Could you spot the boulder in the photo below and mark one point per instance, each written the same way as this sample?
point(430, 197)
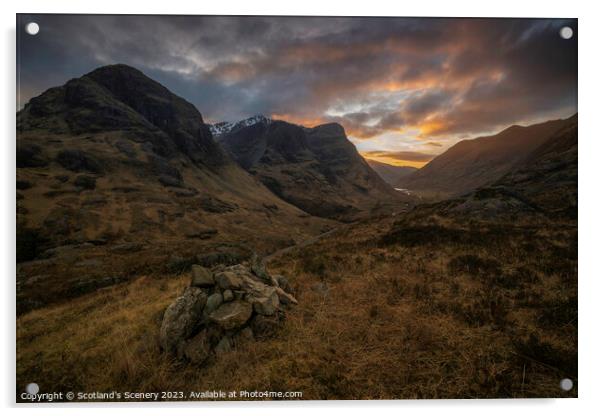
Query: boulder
point(201, 277)
point(198, 349)
point(181, 318)
point(285, 298)
point(232, 315)
point(228, 295)
point(244, 335)
point(266, 302)
point(224, 345)
point(259, 270)
point(283, 283)
point(213, 302)
point(228, 280)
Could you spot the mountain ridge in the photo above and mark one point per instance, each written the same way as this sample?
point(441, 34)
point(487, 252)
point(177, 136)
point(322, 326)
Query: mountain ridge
point(105, 172)
point(317, 169)
point(472, 163)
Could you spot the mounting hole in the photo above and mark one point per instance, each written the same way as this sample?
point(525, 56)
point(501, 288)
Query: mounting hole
point(566, 32)
point(566, 384)
point(32, 388)
point(32, 28)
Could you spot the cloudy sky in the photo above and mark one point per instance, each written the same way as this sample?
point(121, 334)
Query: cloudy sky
point(405, 89)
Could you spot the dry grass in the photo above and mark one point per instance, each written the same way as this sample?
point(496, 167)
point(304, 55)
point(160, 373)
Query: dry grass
point(441, 320)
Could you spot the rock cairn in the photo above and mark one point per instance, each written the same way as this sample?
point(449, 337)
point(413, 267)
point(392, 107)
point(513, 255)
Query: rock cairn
point(223, 308)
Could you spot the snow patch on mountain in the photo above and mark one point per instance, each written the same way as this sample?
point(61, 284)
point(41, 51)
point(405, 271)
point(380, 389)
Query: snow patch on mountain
point(224, 127)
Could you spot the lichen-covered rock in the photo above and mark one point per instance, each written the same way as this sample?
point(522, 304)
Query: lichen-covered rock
point(286, 298)
point(284, 284)
point(228, 280)
point(198, 349)
point(224, 345)
point(228, 295)
point(265, 302)
point(213, 302)
point(244, 335)
point(201, 277)
point(181, 318)
point(232, 315)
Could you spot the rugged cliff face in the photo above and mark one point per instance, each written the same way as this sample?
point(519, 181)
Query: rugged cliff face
point(317, 169)
point(113, 168)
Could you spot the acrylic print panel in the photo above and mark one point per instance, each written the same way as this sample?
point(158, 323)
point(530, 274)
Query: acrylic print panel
point(314, 208)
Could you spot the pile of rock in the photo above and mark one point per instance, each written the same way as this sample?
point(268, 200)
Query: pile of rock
point(223, 308)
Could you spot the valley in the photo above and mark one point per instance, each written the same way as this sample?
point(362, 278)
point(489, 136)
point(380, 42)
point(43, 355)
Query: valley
point(125, 196)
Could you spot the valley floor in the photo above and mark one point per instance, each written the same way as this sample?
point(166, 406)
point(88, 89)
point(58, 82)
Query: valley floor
point(388, 309)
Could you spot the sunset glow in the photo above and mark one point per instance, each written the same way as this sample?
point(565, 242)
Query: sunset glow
point(404, 83)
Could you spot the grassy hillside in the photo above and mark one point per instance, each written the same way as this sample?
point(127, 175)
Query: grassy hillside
point(420, 308)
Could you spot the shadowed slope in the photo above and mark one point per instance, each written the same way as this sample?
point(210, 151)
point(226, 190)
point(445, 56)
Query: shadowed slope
point(473, 163)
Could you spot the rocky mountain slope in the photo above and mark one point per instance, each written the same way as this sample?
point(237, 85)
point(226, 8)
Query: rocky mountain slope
point(473, 163)
point(317, 169)
point(112, 168)
point(225, 127)
point(390, 173)
point(543, 186)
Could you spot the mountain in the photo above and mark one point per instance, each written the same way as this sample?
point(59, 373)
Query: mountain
point(473, 163)
point(316, 169)
point(113, 168)
point(390, 173)
point(543, 185)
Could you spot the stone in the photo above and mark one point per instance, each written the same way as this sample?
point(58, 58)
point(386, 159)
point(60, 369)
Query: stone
point(266, 303)
point(285, 298)
point(198, 349)
point(232, 315)
point(283, 283)
point(181, 318)
point(245, 334)
point(201, 277)
point(259, 270)
point(224, 345)
point(228, 295)
point(228, 280)
point(213, 302)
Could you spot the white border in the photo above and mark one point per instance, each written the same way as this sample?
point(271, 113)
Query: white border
point(590, 151)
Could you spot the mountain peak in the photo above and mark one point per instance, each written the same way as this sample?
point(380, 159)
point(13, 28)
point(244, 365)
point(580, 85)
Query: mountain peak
point(116, 68)
point(330, 129)
point(225, 127)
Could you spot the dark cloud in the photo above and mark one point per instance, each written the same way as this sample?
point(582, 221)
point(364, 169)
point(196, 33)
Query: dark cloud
point(440, 77)
point(434, 144)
